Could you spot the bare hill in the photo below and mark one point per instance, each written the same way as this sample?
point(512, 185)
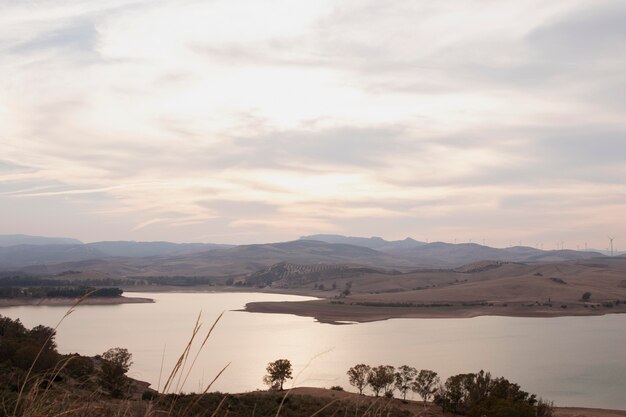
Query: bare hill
point(486, 288)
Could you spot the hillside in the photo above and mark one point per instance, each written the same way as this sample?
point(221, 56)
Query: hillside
point(486, 288)
point(148, 249)
point(447, 255)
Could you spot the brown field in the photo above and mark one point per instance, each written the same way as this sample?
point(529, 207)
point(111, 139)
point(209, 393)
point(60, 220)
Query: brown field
point(509, 289)
point(417, 407)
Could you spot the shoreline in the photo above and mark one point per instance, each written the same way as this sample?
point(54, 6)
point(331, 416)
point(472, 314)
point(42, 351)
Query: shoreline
point(326, 312)
point(68, 302)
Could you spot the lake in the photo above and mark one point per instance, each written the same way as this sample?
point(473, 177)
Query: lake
point(573, 361)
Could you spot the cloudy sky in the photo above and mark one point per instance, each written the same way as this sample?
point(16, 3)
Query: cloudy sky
point(252, 121)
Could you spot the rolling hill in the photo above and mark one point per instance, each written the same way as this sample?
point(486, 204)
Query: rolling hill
point(205, 259)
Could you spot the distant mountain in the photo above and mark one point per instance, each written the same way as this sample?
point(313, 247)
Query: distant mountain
point(448, 255)
point(197, 259)
point(376, 243)
point(19, 256)
point(26, 255)
point(14, 240)
point(238, 260)
point(305, 252)
point(145, 249)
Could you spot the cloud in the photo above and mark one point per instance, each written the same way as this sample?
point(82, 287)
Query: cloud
point(266, 121)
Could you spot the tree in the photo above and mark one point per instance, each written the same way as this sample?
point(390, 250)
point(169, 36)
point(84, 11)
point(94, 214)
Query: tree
point(425, 384)
point(476, 395)
point(381, 378)
point(586, 296)
point(115, 363)
point(277, 372)
point(357, 375)
point(346, 291)
point(404, 378)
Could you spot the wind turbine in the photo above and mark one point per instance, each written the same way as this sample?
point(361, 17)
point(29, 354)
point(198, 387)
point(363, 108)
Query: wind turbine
point(611, 239)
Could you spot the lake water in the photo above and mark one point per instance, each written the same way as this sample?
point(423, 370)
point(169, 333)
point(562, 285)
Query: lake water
point(573, 361)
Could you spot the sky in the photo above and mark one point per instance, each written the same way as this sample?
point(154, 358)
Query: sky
point(234, 121)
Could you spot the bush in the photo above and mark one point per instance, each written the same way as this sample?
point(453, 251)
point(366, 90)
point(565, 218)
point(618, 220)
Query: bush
point(149, 395)
point(479, 394)
point(79, 367)
point(336, 388)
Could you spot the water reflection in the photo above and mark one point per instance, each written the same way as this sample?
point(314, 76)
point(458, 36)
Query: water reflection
point(576, 361)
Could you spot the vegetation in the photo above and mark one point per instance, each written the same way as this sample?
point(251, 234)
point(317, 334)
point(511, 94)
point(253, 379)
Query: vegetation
point(474, 395)
point(58, 292)
point(358, 376)
point(382, 378)
point(404, 379)
point(479, 394)
point(273, 404)
point(425, 384)
point(35, 380)
point(115, 363)
point(277, 373)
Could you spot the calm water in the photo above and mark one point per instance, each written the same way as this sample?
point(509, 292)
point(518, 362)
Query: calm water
point(574, 361)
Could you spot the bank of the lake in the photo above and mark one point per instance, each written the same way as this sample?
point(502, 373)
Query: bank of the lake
point(337, 312)
point(333, 310)
point(67, 302)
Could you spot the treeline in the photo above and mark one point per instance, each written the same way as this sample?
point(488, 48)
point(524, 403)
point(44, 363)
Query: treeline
point(473, 394)
point(59, 292)
point(131, 281)
point(392, 304)
point(18, 281)
point(178, 280)
point(28, 281)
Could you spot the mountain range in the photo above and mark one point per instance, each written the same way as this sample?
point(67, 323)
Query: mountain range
point(53, 255)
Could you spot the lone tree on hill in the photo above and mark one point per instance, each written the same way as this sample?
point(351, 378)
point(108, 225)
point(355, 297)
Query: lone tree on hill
point(115, 363)
point(404, 379)
point(425, 384)
point(357, 375)
point(277, 372)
